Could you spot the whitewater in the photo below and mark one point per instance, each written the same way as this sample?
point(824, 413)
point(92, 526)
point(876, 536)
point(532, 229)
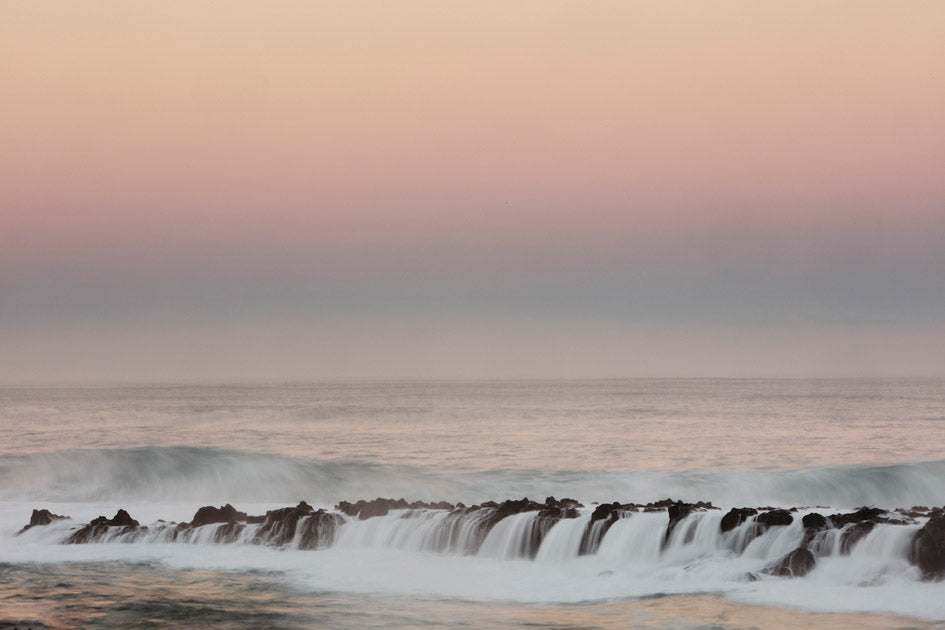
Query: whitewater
point(813, 446)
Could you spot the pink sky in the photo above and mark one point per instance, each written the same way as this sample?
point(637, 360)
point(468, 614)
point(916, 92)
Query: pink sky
point(289, 148)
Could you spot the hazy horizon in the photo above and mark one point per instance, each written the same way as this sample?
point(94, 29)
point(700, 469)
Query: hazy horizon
point(315, 191)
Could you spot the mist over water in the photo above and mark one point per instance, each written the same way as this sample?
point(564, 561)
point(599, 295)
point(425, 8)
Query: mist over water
point(163, 451)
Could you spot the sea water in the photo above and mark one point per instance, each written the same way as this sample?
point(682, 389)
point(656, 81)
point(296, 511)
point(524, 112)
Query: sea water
point(161, 452)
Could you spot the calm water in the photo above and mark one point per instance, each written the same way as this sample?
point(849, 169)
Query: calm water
point(163, 451)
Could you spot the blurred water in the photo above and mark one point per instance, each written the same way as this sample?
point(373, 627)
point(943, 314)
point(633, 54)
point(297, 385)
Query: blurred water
point(164, 450)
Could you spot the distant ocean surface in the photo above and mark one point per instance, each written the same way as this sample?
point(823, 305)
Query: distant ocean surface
point(161, 451)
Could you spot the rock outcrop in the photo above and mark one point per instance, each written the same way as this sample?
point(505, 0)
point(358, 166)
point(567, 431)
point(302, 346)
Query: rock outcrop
point(928, 547)
point(41, 517)
point(102, 528)
point(798, 563)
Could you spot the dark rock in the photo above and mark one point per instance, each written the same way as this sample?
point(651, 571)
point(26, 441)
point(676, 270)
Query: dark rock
point(852, 534)
point(279, 527)
point(874, 515)
point(603, 516)
point(916, 511)
point(928, 547)
point(41, 517)
point(798, 563)
point(319, 529)
point(208, 515)
point(230, 532)
point(100, 526)
point(677, 512)
point(814, 521)
point(775, 518)
point(735, 517)
point(381, 507)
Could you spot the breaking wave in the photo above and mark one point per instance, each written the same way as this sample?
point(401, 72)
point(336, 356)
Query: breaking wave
point(216, 475)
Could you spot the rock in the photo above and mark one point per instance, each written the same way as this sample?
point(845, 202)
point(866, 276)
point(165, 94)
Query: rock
point(381, 507)
point(853, 534)
point(279, 526)
point(41, 517)
point(814, 521)
point(858, 524)
point(798, 563)
point(122, 519)
point(101, 526)
point(230, 532)
point(735, 517)
point(874, 515)
point(208, 515)
point(775, 518)
point(677, 512)
point(565, 508)
point(603, 516)
point(928, 547)
point(319, 529)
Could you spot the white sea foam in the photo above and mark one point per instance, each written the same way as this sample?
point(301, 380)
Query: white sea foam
point(395, 555)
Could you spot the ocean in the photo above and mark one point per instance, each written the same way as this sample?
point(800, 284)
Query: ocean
point(160, 452)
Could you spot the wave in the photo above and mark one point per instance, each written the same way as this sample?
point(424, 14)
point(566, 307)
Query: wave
point(213, 475)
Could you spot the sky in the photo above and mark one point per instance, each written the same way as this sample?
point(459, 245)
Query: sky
point(205, 191)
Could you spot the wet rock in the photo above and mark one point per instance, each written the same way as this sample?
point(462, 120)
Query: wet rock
point(99, 527)
point(565, 508)
point(775, 518)
point(915, 511)
point(279, 526)
point(229, 532)
point(853, 534)
point(928, 547)
point(858, 524)
point(677, 512)
point(735, 517)
point(381, 507)
point(41, 517)
point(319, 529)
point(208, 515)
point(603, 516)
point(873, 515)
point(814, 521)
point(798, 563)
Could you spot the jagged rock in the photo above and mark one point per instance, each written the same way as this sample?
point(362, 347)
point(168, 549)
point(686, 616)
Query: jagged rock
point(915, 511)
point(775, 518)
point(814, 523)
point(594, 531)
point(208, 515)
point(229, 532)
point(853, 534)
point(41, 517)
point(677, 512)
point(319, 529)
point(100, 526)
point(279, 526)
point(928, 547)
point(874, 515)
point(381, 507)
point(565, 508)
point(798, 563)
point(858, 524)
point(735, 517)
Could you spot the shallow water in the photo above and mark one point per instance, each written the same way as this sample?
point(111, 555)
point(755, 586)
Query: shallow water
point(161, 452)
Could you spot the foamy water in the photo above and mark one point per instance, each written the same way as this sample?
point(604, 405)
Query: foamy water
point(163, 452)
